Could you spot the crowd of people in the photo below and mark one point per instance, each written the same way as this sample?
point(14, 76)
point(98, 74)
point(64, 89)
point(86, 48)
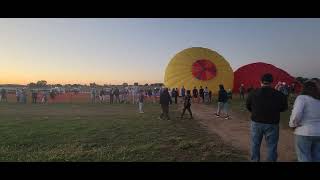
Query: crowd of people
point(265, 105)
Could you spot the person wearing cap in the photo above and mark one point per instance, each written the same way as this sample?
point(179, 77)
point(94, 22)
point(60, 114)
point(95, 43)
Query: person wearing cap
point(265, 105)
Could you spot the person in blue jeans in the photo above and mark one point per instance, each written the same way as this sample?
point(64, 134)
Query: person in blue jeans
point(305, 119)
point(265, 105)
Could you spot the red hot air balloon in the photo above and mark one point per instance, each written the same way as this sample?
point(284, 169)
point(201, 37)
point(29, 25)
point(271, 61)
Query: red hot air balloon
point(250, 75)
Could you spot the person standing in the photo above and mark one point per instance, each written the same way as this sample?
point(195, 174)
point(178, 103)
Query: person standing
point(265, 105)
point(187, 104)
point(24, 96)
point(183, 92)
point(250, 89)
point(210, 96)
point(101, 95)
point(4, 95)
point(206, 95)
point(201, 93)
point(18, 95)
point(45, 97)
point(305, 119)
point(149, 95)
point(175, 95)
point(194, 94)
point(34, 96)
point(111, 95)
point(241, 91)
point(222, 101)
point(116, 93)
point(93, 95)
point(165, 100)
point(141, 99)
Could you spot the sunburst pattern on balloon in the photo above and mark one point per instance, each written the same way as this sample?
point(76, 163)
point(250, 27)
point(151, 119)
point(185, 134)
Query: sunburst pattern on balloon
point(198, 66)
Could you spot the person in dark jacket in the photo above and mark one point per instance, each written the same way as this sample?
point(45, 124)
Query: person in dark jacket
point(174, 94)
point(111, 93)
point(201, 93)
point(4, 95)
point(210, 96)
point(265, 105)
point(165, 100)
point(187, 104)
point(250, 89)
point(34, 96)
point(242, 91)
point(117, 93)
point(222, 101)
point(194, 94)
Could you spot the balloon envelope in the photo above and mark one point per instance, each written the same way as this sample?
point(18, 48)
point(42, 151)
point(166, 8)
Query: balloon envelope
point(250, 75)
point(197, 66)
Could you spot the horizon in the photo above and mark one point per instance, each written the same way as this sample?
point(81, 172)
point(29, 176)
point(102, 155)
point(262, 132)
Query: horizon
point(116, 51)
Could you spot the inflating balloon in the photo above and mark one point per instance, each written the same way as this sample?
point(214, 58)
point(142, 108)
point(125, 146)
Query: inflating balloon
point(197, 66)
point(250, 75)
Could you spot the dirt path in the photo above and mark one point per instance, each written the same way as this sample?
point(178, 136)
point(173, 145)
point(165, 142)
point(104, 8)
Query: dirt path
point(236, 132)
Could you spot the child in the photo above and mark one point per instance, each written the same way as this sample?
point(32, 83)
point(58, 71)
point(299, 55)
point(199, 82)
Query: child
point(141, 98)
point(187, 104)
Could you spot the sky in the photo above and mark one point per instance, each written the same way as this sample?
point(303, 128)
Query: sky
point(115, 51)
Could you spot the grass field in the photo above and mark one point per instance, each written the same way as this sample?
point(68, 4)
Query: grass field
point(104, 132)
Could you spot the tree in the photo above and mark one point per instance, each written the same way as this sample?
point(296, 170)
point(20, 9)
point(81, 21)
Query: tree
point(41, 83)
point(125, 84)
point(32, 84)
point(301, 79)
point(93, 84)
point(146, 84)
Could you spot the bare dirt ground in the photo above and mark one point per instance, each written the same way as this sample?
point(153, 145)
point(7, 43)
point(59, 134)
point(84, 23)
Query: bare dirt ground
point(236, 131)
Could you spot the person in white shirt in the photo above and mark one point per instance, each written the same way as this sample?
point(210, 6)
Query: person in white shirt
point(305, 119)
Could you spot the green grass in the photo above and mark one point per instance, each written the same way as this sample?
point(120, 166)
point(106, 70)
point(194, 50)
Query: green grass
point(104, 132)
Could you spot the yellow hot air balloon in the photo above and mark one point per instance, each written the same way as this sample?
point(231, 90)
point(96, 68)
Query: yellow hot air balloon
point(197, 66)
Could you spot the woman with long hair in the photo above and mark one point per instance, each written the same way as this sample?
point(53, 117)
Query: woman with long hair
point(305, 120)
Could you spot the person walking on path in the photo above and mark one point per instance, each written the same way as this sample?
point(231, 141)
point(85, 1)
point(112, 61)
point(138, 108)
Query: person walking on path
point(222, 101)
point(265, 105)
point(165, 100)
point(187, 104)
point(305, 120)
